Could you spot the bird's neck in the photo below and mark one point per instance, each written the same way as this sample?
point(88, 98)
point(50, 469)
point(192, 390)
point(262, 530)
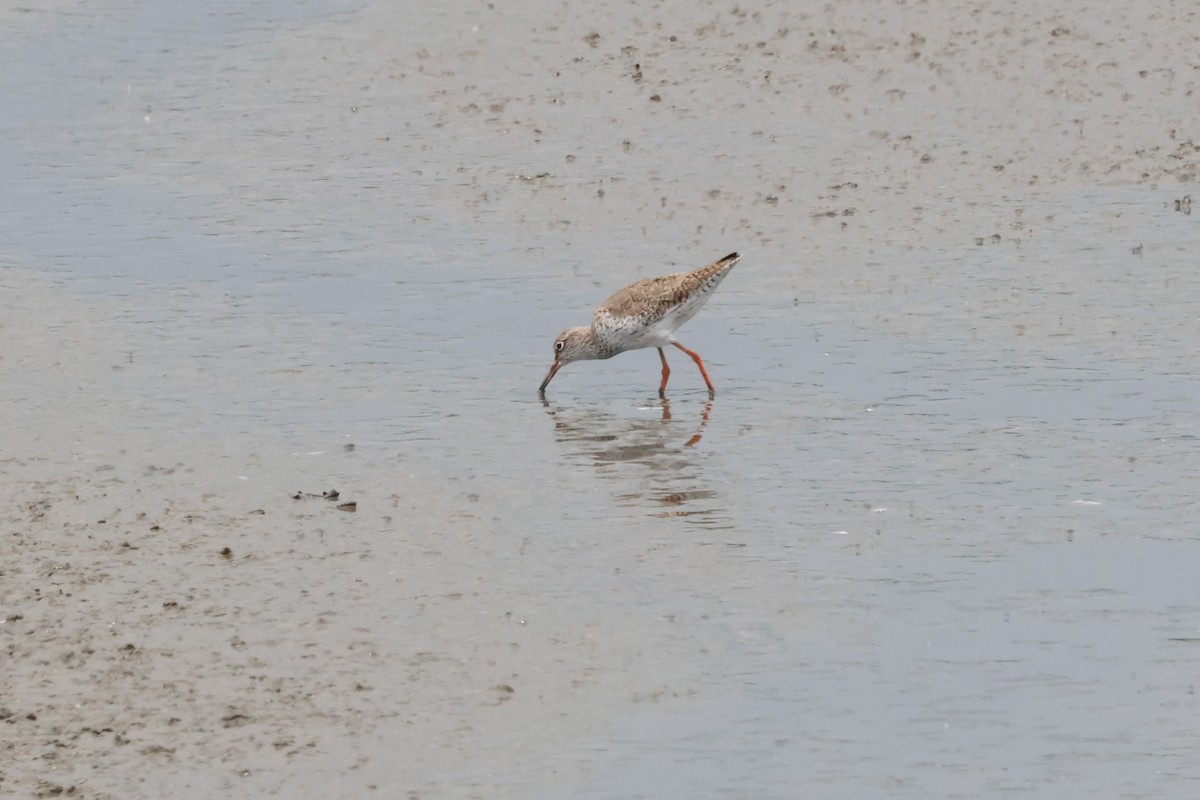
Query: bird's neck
point(593, 346)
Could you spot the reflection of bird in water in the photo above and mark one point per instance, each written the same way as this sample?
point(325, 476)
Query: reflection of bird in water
point(669, 470)
point(644, 314)
point(585, 429)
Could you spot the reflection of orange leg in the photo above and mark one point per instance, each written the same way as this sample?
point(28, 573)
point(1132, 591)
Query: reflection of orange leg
point(695, 440)
point(662, 387)
point(695, 357)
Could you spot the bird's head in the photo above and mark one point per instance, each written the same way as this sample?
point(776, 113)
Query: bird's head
point(573, 344)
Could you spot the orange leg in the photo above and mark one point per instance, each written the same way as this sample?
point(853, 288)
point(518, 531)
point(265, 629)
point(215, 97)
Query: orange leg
point(662, 387)
point(703, 372)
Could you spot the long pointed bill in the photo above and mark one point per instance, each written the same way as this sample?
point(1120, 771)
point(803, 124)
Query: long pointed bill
point(554, 368)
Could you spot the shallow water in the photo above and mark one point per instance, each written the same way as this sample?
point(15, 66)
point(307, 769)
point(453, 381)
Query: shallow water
point(934, 535)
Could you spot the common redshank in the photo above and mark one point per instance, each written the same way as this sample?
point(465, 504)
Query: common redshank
point(643, 314)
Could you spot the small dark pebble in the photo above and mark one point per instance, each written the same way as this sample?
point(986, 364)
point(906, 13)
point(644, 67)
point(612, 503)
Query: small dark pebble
point(226, 552)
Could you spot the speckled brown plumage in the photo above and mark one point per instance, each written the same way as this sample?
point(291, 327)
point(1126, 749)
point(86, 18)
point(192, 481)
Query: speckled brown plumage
point(653, 297)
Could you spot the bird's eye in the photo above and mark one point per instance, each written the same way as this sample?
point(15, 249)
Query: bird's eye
point(559, 345)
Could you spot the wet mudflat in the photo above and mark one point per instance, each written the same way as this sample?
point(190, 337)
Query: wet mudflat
point(933, 537)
